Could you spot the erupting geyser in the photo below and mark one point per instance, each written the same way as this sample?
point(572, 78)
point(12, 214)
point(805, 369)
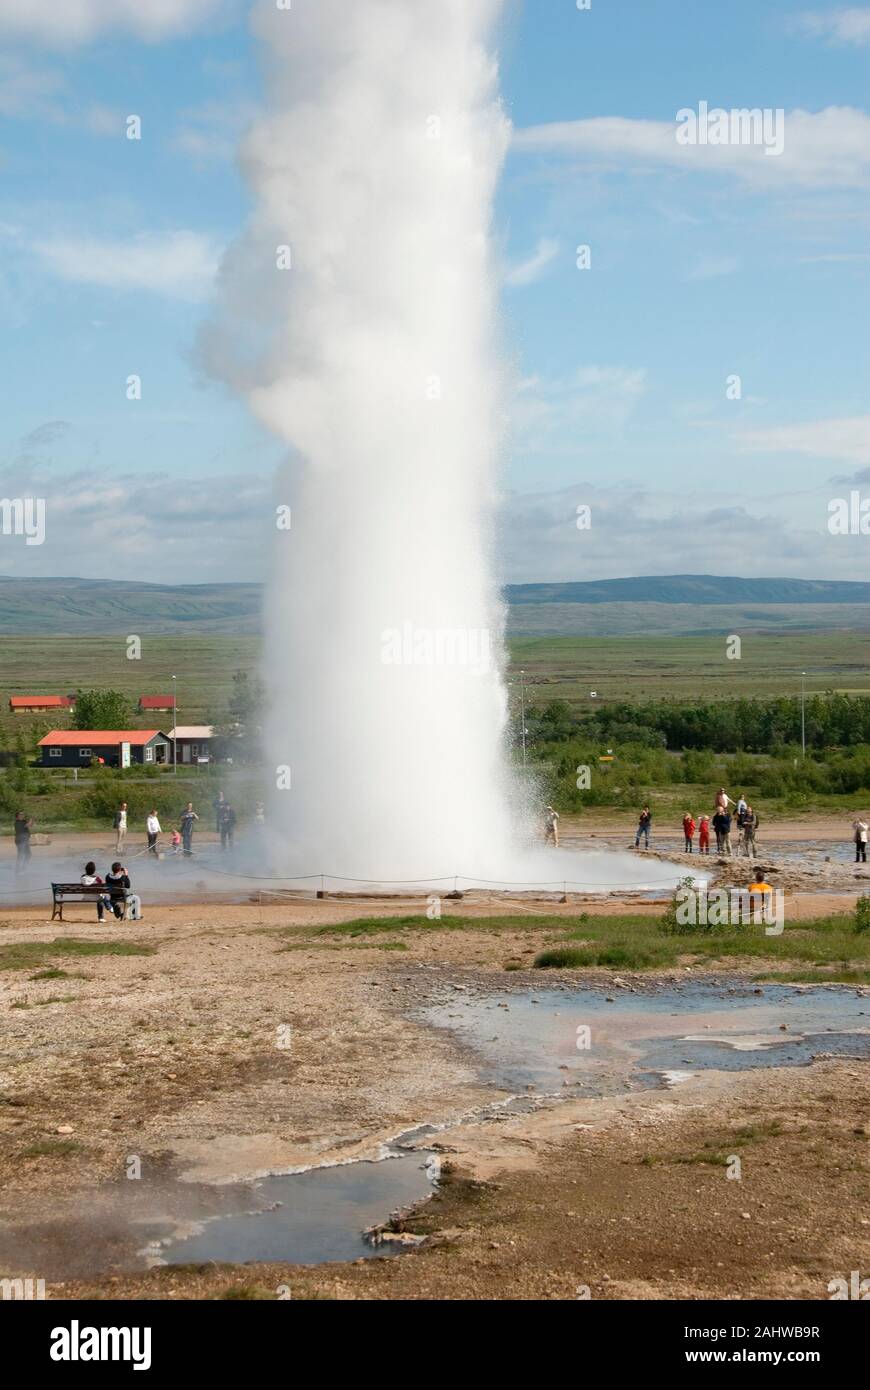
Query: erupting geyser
point(359, 314)
point(376, 168)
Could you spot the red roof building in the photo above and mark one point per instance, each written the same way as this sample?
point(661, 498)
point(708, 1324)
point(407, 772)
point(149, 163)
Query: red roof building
point(160, 702)
point(35, 704)
point(114, 747)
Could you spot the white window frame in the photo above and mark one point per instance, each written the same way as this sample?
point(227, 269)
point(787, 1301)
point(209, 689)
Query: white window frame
point(149, 755)
point(86, 752)
point(55, 752)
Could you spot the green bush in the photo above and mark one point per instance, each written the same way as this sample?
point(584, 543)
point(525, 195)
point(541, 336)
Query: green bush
point(862, 913)
point(672, 926)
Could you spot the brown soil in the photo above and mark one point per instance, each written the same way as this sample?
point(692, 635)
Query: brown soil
point(175, 1057)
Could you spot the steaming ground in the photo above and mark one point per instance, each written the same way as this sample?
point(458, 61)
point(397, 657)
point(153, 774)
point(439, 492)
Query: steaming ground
point(255, 864)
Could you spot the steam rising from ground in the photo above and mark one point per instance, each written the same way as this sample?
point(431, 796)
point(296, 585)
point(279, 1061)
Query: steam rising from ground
point(374, 358)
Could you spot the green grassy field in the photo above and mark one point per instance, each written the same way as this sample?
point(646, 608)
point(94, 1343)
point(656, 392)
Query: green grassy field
point(58, 665)
point(566, 668)
point(617, 668)
point(686, 668)
point(822, 951)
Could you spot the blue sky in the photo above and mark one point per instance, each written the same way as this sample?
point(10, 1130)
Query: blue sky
point(705, 263)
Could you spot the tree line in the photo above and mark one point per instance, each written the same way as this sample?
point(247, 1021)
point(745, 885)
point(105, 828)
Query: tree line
point(767, 725)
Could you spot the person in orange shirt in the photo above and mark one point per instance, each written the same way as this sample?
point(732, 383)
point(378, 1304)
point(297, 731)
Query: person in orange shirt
point(704, 835)
point(759, 890)
point(689, 831)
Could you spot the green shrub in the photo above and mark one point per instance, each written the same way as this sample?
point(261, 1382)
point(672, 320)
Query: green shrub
point(862, 913)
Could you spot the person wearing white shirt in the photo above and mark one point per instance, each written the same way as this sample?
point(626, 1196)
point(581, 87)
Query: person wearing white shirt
point(860, 828)
point(152, 825)
point(120, 827)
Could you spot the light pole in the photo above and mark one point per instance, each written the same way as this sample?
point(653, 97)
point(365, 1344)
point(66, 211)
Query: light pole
point(803, 714)
point(523, 713)
point(174, 727)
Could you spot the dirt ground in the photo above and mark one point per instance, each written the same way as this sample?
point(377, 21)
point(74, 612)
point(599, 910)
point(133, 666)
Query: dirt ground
point(179, 1057)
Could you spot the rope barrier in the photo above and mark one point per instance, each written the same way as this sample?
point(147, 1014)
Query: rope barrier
point(554, 885)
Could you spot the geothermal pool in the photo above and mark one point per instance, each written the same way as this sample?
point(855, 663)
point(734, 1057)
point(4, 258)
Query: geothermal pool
point(524, 1046)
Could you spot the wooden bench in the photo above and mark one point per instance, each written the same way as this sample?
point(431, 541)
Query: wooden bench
point(84, 893)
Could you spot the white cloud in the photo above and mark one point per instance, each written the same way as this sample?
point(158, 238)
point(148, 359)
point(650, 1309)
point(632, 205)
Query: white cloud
point(28, 92)
point(835, 258)
point(823, 149)
point(532, 268)
point(219, 527)
point(213, 131)
point(214, 528)
point(847, 439)
point(850, 25)
point(180, 264)
point(56, 23)
point(638, 531)
point(564, 415)
point(711, 267)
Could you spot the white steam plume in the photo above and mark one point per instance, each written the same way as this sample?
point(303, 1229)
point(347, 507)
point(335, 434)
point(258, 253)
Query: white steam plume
point(373, 357)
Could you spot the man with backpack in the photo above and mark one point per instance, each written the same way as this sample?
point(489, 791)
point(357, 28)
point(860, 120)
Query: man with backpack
point(749, 828)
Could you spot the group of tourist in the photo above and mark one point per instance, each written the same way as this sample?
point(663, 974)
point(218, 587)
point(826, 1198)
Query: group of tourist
point(745, 819)
point(724, 824)
point(181, 837)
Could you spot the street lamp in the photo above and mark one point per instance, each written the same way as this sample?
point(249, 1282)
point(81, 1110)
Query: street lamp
point(523, 712)
point(175, 727)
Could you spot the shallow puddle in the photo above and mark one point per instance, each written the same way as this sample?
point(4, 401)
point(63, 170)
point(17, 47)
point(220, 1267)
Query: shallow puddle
point(307, 1218)
point(531, 1047)
point(300, 1218)
point(597, 1044)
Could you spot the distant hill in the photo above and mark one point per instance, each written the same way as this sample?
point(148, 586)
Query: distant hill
point(692, 588)
point(681, 603)
point(108, 606)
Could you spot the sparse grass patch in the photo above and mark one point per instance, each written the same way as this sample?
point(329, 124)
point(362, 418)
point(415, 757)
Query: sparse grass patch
point(634, 942)
point(621, 957)
point(718, 1151)
point(52, 1148)
point(31, 955)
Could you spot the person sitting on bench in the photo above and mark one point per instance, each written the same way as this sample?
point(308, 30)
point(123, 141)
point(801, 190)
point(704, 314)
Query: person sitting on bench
point(119, 879)
point(90, 877)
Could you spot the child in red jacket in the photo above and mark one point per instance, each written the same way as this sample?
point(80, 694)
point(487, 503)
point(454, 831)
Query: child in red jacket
point(704, 835)
point(689, 831)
